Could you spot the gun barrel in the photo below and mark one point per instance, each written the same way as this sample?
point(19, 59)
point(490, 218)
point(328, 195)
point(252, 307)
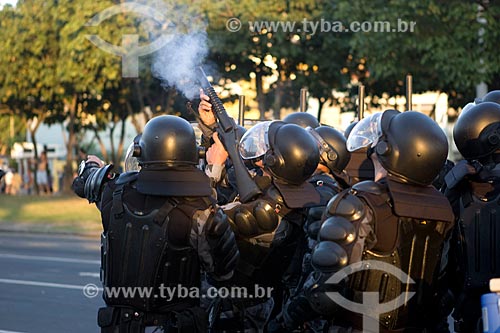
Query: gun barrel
point(225, 122)
point(409, 92)
point(361, 101)
point(203, 79)
point(241, 113)
point(303, 100)
point(226, 130)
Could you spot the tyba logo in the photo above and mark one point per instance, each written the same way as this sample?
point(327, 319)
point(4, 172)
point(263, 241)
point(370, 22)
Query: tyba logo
point(371, 309)
point(130, 50)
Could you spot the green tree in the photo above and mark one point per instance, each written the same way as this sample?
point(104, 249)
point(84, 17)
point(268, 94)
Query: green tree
point(450, 49)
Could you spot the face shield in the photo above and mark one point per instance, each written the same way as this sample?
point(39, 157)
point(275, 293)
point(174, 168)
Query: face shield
point(131, 162)
point(255, 142)
point(366, 133)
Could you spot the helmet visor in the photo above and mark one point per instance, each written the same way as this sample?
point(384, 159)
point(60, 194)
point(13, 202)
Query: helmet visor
point(366, 133)
point(131, 162)
point(255, 143)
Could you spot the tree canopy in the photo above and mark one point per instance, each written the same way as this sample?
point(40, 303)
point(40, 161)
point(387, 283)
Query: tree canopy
point(49, 70)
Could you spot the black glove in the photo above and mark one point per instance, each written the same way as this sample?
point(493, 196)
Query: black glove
point(222, 244)
point(460, 171)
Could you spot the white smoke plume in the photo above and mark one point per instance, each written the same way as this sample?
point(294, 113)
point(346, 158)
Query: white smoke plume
point(176, 63)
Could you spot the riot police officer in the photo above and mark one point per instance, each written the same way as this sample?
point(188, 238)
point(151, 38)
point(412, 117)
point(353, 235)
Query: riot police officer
point(160, 229)
point(473, 188)
point(268, 229)
point(328, 179)
point(379, 221)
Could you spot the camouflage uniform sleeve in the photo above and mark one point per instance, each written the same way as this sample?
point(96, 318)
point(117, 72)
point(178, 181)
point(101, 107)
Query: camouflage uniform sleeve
point(214, 172)
point(216, 244)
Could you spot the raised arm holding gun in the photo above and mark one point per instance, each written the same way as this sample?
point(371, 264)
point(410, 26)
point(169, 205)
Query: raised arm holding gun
point(226, 130)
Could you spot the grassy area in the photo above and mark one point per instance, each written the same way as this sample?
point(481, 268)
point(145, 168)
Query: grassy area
point(49, 214)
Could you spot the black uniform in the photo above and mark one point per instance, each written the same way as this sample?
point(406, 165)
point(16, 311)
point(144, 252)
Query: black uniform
point(269, 229)
point(161, 229)
point(377, 224)
point(473, 188)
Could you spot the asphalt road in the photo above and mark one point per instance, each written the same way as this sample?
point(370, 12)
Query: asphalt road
point(41, 283)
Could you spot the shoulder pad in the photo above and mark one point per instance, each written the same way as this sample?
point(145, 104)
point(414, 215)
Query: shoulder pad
point(339, 230)
point(432, 204)
point(127, 177)
point(255, 218)
point(329, 257)
point(368, 186)
point(346, 205)
point(95, 182)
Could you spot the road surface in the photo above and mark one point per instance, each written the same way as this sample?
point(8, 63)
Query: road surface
point(41, 283)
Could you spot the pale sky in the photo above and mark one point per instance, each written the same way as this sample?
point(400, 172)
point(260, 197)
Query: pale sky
point(3, 2)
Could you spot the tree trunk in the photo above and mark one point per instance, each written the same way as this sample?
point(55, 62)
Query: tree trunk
point(320, 108)
point(260, 94)
point(70, 144)
point(112, 141)
point(102, 147)
point(133, 119)
point(32, 132)
point(121, 143)
point(35, 151)
point(278, 98)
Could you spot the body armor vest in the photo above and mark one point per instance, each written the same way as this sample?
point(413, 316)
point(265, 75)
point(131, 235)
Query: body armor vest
point(151, 250)
point(411, 224)
point(265, 258)
point(478, 235)
point(326, 186)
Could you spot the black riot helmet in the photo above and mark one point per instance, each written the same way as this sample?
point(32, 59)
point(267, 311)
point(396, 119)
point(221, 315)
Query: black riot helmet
point(288, 152)
point(492, 96)
point(332, 147)
point(303, 119)
point(477, 132)
point(409, 145)
point(240, 131)
point(167, 141)
point(349, 128)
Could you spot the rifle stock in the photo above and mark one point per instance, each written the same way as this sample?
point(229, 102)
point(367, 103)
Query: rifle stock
point(226, 129)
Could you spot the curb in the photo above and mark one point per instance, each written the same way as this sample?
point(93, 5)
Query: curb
point(50, 232)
